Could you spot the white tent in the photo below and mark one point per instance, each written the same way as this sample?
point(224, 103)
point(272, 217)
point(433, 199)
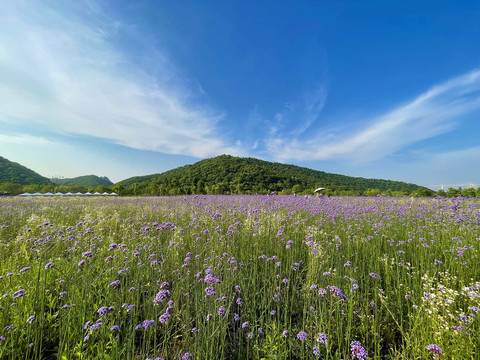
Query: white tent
point(59, 194)
point(79, 194)
point(68, 194)
point(25, 194)
point(97, 194)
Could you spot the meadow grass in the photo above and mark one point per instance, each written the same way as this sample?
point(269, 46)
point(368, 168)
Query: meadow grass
point(239, 277)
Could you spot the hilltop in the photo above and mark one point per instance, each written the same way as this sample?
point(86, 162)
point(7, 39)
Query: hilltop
point(86, 180)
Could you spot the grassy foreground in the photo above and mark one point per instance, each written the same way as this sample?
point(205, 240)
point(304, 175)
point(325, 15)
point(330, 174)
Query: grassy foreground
point(239, 277)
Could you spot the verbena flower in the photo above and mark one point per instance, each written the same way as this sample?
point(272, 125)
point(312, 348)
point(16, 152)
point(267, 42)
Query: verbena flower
point(209, 291)
point(19, 293)
point(302, 336)
point(337, 292)
point(434, 348)
point(164, 318)
point(322, 338)
point(147, 323)
point(358, 351)
point(187, 356)
point(115, 283)
point(161, 295)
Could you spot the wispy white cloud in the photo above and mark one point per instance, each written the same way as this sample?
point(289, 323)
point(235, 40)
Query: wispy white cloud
point(314, 101)
point(434, 112)
point(61, 70)
point(24, 139)
point(298, 116)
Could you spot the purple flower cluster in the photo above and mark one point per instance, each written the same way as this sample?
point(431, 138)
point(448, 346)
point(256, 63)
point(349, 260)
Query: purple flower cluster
point(434, 348)
point(322, 338)
point(357, 350)
point(302, 336)
point(161, 296)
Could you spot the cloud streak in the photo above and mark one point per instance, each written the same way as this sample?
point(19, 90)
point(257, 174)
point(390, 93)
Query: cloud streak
point(434, 112)
point(24, 139)
point(62, 71)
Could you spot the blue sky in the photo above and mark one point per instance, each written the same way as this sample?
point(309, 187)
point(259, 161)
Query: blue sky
point(377, 89)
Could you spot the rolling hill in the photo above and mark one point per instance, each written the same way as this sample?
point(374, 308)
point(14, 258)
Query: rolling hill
point(229, 174)
point(12, 172)
point(87, 180)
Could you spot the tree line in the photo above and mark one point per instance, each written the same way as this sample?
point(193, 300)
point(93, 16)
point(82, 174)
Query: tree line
point(223, 188)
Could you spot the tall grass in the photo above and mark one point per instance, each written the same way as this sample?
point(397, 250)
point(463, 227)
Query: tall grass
point(237, 277)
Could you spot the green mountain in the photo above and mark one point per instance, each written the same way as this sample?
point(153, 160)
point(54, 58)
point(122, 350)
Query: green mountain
point(87, 180)
point(228, 174)
point(12, 172)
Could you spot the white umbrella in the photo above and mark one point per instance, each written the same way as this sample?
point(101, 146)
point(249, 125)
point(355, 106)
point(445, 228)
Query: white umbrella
point(319, 189)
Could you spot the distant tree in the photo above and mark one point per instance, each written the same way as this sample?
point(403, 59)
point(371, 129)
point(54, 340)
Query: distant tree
point(119, 189)
point(200, 189)
point(10, 188)
point(297, 189)
point(47, 188)
point(32, 188)
point(423, 192)
point(102, 188)
point(452, 192)
point(239, 188)
point(372, 192)
point(469, 193)
point(441, 193)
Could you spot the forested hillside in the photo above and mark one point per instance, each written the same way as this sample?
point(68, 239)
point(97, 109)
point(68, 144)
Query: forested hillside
point(228, 174)
point(12, 172)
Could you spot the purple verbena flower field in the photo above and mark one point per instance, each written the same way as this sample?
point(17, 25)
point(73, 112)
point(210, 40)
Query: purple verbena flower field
point(239, 277)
